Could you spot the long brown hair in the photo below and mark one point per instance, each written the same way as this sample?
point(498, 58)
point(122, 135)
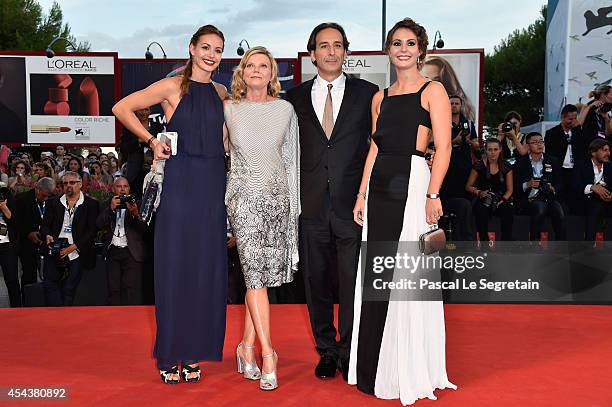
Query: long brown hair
point(205, 29)
point(448, 78)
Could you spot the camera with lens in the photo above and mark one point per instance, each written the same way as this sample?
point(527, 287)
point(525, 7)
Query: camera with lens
point(605, 108)
point(3, 195)
point(490, 200)
point(462, 129)
point(124, 200)
point(544, 192)
point(56, 247)
point(507, 127)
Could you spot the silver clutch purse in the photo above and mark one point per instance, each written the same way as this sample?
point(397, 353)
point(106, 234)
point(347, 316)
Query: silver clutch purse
point(432, 241)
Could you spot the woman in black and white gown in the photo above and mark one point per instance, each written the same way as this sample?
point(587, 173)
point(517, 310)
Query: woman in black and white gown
point(398, 346)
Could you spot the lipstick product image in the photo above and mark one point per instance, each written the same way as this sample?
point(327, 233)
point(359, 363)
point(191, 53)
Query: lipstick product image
point(58, 97)
point(38, 128)
point(89, 101)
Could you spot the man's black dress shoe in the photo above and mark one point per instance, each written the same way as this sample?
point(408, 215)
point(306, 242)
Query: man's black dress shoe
point(343, 367)
point(326, 369)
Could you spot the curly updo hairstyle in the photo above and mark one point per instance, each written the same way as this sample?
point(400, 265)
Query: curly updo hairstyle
point(418, 30)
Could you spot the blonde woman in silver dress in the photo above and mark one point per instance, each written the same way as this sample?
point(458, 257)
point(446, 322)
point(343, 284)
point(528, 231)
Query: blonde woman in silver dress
point(262, 199)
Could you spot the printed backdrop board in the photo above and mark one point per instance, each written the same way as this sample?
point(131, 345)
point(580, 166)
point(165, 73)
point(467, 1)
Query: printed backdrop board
point(66, 99)
point(137, 74)
point(460, 71)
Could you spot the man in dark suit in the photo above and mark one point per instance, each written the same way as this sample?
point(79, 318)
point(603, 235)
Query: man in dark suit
point(8, 246)
point(455, 199)
point(593, 181)
point(567, 143)
point(70, 218)
point(31, 206)
point(132, 150)
point(537, 185)
point(334, 118)
point(124, 240)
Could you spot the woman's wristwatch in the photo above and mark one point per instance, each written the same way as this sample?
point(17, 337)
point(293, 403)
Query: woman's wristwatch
point(433, 196)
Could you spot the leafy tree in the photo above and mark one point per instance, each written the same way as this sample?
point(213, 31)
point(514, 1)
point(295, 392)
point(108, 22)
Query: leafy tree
point(24, 26)
point(514, 74)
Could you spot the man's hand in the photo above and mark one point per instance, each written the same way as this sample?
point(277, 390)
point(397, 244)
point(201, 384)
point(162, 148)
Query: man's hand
point(601, 191)
point(231, 242)
point(67, 250)
point(34, 237)
point(533, 183)
point(115, 202)
point(133, 209)
point(458, 140)
point(49, 240)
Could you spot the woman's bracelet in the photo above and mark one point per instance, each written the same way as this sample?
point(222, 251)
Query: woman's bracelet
point(150, 141)
point(361, 194)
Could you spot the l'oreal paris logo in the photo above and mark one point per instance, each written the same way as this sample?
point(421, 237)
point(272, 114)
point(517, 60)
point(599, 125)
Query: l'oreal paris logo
point(356, 63)
point(59, 63)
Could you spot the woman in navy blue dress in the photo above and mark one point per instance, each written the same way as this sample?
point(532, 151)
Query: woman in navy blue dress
point(190, 230)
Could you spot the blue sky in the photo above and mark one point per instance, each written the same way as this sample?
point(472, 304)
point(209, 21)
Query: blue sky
point(127, 26)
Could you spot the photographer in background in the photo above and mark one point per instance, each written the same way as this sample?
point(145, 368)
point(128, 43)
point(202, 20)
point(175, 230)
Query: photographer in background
point(132, 150)
point(22, 176)
point(593, 181)
point(455, 200)
point(124, 240)
point(567, 143)
point(490, 182)
point(537, 186)
point(8, 246)
point(69, 227)
point(511, 138)
point(31, 206)
point(595, 116)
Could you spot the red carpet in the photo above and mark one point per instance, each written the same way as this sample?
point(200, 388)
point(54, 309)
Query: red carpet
point(498, 355)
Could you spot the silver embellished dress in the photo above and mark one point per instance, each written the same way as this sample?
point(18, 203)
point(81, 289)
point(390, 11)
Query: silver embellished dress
point(262, 198)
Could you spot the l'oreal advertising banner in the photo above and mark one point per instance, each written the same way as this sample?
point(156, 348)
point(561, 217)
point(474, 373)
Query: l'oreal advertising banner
point(371, 66)
point(66, 99)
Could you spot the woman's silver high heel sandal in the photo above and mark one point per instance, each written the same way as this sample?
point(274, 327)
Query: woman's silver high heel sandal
point(268, 381)
point(249, 370)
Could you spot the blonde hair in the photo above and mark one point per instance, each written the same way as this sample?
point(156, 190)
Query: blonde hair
point(239, 87)
point(599, 91)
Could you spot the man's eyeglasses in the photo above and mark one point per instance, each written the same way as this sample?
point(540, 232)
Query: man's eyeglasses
point(70, 182)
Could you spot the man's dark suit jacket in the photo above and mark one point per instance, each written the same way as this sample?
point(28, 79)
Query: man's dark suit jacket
point(134, 230)
point(84, 229)
point(523, 172)
point(556, 144)
point(585, 175)
point(28, 216)
point(12, 223)
point(334, 165)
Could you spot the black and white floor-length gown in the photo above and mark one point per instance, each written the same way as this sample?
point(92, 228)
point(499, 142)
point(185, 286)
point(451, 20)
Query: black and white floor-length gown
point(398, 347)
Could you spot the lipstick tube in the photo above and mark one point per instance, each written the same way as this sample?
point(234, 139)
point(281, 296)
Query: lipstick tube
point(38, 128)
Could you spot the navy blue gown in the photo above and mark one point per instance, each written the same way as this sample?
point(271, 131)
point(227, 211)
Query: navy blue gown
point(190, 236)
